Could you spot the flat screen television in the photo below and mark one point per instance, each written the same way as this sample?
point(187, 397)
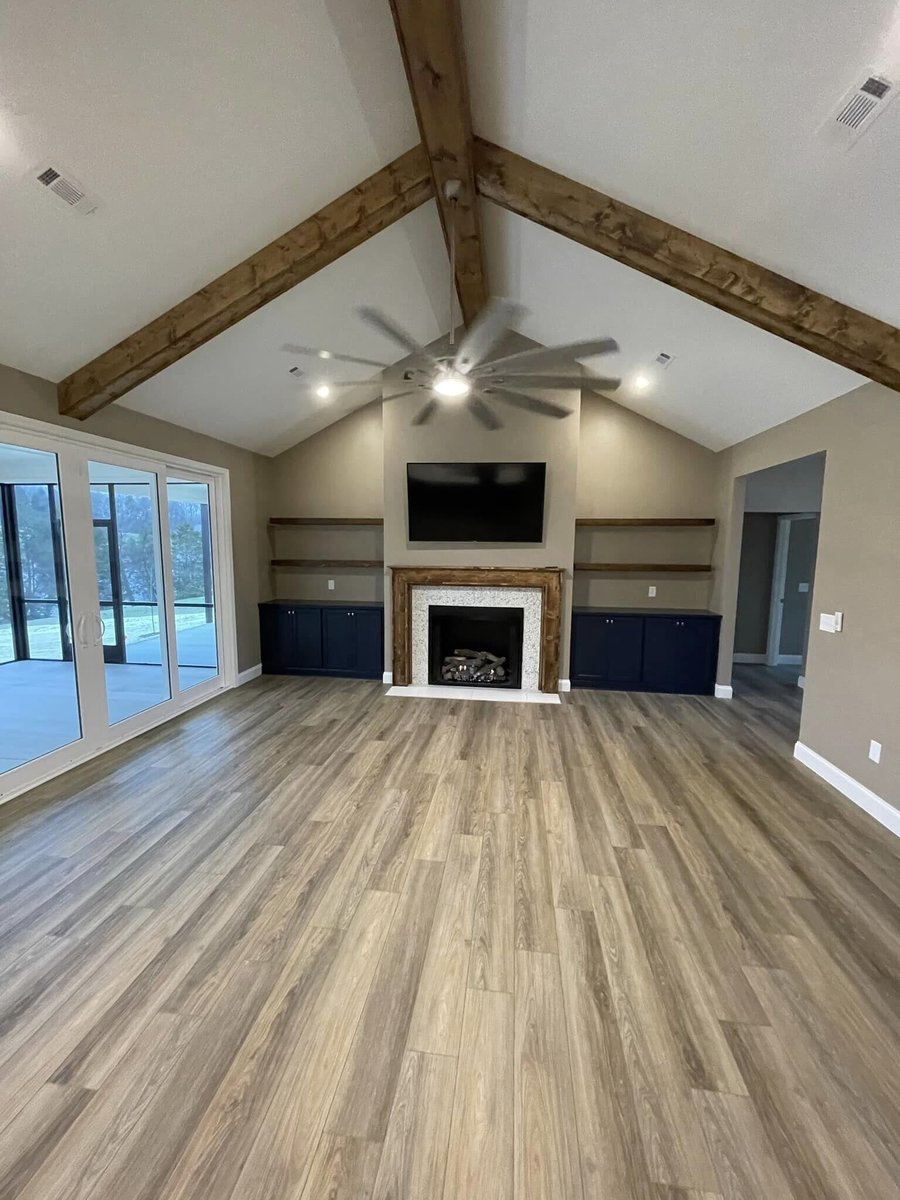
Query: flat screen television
point(476, 502)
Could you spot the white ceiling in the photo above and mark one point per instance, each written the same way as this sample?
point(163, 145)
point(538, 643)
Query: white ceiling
point(706, 114)
point(210, 128)
point(728, 380)
point(207, 129)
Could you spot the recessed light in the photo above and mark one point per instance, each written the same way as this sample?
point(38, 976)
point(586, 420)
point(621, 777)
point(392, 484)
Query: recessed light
point(452, 386)
point(323, 391)
point(324, 354)
point(641, 383)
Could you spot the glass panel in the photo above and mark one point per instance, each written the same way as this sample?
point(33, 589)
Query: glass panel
point(7, 645)
point(100, 501)
point(43, 630)
point(192, 578)
point(39, 709)
point(129, 574)
point(104, 563)
point(36, 549)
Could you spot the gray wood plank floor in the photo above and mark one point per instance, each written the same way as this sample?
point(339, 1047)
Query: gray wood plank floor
point(311, 942)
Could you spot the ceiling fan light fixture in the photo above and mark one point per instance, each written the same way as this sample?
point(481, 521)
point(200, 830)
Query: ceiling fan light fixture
point(452, 386)
point(641, 382)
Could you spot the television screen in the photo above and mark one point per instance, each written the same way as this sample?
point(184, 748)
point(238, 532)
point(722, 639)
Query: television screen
point(476, 502)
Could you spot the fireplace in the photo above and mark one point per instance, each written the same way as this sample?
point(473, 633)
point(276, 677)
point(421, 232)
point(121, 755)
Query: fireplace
point(475, 647)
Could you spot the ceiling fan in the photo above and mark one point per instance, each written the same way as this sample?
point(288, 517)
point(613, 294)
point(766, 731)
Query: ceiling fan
point(467, 374)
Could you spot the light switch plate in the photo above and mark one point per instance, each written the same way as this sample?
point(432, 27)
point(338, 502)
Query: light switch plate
point(802, 587)
point(651, 590)
point(875, 751)
point(826, 623)
point(331, 585)
point(838, 622)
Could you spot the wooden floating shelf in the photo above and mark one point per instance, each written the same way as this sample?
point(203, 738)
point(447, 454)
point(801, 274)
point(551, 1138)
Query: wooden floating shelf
point(313, 563)
point(645, 568)
point(326, 520)
point(645, 522)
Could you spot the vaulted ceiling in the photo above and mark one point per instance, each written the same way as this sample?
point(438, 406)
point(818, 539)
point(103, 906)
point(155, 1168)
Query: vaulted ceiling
point(208, 130)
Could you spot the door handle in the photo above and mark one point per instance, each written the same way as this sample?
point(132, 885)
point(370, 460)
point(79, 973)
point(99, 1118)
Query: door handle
point(98, 637)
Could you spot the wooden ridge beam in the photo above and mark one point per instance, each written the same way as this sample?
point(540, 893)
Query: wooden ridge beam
point(699, 268)
point(431, 42)
point(340, 226)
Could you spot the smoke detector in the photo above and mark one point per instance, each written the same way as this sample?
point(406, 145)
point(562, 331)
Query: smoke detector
point(858, 109)
point(662, 359)
point(65, 187)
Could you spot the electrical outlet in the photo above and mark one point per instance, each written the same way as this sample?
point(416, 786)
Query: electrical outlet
point(651, 590)
point(802, 587)
point(875, 751)
point(331, 585)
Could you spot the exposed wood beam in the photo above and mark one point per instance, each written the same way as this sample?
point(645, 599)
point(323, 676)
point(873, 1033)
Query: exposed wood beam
point(430, 36)
point(737, 286)
point(343, 224)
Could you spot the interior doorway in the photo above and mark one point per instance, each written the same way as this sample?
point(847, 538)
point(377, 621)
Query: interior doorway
point(779, 544)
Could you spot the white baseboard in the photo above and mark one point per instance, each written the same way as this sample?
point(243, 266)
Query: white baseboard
point(885, 814)
point(748, 658)
point(388, 678)
point(801, 681)
point(724, 691)
point(565, 685)
point(250, 673)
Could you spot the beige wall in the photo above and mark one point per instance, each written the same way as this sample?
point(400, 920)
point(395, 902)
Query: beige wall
point(628, 466)
point(30, 396)
point(851, 677)
point(454, 436)
point(335, 473)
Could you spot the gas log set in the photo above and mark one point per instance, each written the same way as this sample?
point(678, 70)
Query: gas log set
point(473, 666)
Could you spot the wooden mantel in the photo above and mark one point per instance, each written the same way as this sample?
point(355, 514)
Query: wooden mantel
point(548, 579)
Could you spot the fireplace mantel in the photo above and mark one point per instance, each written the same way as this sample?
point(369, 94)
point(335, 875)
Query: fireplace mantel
point(548, 579)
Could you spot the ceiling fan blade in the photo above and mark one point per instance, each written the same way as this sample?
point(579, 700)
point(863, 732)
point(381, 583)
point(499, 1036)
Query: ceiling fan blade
point(551, 356)
point(485, 331)
point(403, 395)
point(534, 404)
point(383, 323)
point(425, 413)
point(482, 413)
point(327, 354)
point(596, 383)
point(548, 382)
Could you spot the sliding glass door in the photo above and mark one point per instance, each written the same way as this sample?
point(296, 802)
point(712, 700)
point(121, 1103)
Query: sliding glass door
point(110, 579)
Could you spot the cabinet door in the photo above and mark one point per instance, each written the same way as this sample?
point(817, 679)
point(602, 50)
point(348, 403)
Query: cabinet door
point(339, 639)
point(678, 654)
point(276, 635)
point(588, 648)
point(369, 642)
point(306, 638)
point(624, 649)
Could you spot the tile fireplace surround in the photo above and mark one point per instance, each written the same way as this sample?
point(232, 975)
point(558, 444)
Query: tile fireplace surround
point(536, 590)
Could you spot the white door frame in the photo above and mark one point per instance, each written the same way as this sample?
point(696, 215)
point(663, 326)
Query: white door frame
point(95, 739)
point(779, 579)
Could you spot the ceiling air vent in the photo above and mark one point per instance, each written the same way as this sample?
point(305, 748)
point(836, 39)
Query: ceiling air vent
point(859, 108)
point(66, 188)
point(662, 359)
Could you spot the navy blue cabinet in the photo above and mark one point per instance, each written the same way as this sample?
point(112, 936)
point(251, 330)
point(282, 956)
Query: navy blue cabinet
point(303, 638)
point(609, 649)
point(645, 650)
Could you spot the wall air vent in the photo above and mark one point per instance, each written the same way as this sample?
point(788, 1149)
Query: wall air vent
point(65, 187)
point(858, 109)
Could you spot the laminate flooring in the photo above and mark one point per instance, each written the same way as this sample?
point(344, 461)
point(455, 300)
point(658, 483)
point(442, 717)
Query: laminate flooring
point(310, 942)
